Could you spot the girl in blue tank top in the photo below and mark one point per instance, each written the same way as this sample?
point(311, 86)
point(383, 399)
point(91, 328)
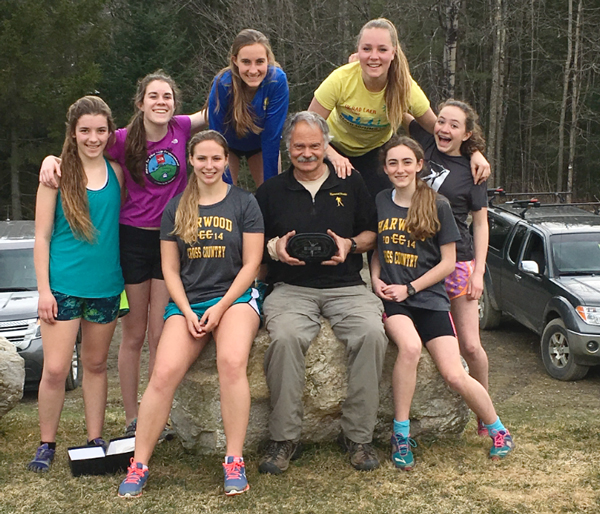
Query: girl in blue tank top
point(76, 256)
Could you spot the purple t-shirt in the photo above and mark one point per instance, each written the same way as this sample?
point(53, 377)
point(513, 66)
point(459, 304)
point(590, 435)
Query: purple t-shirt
point(165, 175)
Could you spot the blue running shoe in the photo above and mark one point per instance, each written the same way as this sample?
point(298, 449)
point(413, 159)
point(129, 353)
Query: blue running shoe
point(503, 444)
point(235, 476)
point(42, 460)
point(98, 442)
point(134, 482)
point(402, 455)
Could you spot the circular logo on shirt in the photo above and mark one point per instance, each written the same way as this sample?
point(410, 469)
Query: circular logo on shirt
point(162, 167)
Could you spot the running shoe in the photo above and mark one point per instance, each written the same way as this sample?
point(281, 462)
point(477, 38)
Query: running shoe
point(130, 429)
point(42, 460)
point(98, 442)
point(235, 476)
point(134, 482)
point(402, 455)
point(502, 444)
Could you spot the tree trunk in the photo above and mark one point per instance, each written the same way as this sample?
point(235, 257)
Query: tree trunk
point(497, 90)
point(449, 22)
point(574, 102)
point(15, 162)
point(563, 105)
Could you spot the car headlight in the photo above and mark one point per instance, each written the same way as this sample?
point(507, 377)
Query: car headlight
point(33, 332)
point(591, 315)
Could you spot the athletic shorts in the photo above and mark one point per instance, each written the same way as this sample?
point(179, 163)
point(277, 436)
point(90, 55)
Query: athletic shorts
point(95, 310)
point(245, 153)
point(457, 281)
point(429, 324)
point(251, 297)
point(140, 254)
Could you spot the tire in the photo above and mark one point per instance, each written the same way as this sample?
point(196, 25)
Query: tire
point(74, 377)
point(489, 318)
point(556, 355)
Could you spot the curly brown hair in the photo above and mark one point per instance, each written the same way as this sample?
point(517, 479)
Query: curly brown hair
point(476, 141)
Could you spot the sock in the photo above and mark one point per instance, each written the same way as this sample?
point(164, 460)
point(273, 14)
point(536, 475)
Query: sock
point(402, 427)
point(495, 427)
point(51, 446)
point(232, 458)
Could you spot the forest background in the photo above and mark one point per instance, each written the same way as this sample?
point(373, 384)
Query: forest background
point(529, 67)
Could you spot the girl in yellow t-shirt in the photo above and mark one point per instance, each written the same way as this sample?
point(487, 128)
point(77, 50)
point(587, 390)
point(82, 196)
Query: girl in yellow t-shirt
point(364, 101)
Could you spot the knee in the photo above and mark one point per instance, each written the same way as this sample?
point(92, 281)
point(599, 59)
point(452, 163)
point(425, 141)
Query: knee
point(231, 367)
point(163, 378)
point(94, 367)
point(54, 376)
point(410, 354)
point(471, 350)
point(456, 379)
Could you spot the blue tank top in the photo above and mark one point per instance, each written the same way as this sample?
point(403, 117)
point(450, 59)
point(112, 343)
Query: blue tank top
point(89, 270)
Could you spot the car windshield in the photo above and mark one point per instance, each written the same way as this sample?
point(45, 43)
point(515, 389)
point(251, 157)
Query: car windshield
point(16, 270)
point(576, 254)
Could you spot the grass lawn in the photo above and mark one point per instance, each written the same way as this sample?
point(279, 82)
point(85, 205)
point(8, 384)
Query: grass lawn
point(554, 469)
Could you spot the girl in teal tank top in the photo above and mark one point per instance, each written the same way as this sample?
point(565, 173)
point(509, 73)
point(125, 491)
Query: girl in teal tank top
point(76, 256)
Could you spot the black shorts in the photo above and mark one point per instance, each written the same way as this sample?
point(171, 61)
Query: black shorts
point(370, 169)
point(245, 153)
point(429, 324)
point(140, 254)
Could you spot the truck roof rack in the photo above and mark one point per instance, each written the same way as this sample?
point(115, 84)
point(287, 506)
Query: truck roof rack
point(533, 202)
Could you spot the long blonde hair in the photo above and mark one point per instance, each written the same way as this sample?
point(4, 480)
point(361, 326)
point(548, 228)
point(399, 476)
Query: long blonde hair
point(186, 216)
point(422, 219)
point(239, 112)
point(136, 145)
point(399, 82)
point(73, 179)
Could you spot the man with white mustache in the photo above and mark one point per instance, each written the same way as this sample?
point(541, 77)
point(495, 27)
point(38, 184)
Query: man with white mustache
point(309, 197)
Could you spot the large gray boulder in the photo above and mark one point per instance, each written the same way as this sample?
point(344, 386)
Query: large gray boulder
point(12, 376)
point(196, 415)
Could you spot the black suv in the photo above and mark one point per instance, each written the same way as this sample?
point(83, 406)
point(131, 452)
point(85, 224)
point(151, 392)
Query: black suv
point(543, 269)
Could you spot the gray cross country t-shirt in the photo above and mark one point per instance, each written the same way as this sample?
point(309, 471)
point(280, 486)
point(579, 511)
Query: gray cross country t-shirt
point(210, 265)
point(404, 259)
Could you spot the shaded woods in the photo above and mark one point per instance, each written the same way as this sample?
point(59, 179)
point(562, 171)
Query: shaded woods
point(530, 68)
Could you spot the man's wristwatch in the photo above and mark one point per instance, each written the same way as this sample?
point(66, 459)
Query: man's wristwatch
point(410, 289)
point(353, 247)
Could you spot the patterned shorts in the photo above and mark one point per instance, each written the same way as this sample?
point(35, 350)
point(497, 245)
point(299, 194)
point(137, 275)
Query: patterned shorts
point(95, 310)
point(456, 282)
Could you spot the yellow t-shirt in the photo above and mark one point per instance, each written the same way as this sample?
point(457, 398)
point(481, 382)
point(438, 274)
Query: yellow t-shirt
point(358, 122)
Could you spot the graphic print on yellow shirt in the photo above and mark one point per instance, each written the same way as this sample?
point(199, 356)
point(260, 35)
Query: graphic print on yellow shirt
point(358, 121)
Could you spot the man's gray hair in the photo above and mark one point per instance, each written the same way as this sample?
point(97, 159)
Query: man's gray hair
point(310, 117)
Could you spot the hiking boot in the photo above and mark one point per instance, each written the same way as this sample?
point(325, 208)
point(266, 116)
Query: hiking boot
point(130, 429)
point(42, 460)
point(278, 455)
point(402, 455)
point(481, 430)
point(362, 455)
point(503, 444)
point(98, 442)
point(134, 482)
point(167, 434)
point(235, 476)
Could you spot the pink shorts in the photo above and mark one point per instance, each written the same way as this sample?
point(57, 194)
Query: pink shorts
point(456, 282)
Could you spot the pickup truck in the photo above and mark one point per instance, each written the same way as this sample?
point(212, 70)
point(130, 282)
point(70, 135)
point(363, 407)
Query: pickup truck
point(543, 269)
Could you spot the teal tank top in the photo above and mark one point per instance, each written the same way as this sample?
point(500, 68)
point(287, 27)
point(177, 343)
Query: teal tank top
point(89, 270)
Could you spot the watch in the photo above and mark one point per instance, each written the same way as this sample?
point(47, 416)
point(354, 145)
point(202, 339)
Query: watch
point(353, 247)
point(410, 289)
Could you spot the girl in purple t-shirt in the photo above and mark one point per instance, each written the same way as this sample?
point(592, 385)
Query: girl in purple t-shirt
point(152, 152)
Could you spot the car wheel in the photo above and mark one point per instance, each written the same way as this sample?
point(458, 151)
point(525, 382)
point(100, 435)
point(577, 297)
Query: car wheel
point(489, 317)
point(74, 377)
point(556, 353)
